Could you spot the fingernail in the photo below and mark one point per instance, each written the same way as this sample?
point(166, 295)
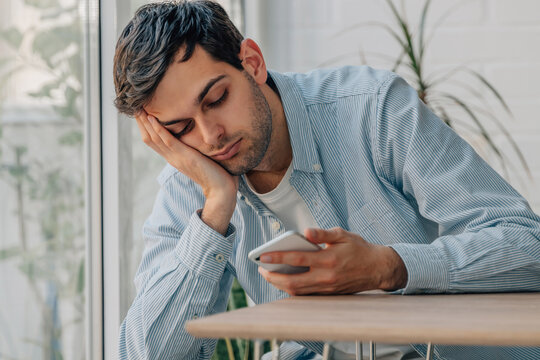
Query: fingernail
point(151, 119)
point(266, 258)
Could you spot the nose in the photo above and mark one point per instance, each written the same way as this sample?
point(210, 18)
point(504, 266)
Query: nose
point(211, 132)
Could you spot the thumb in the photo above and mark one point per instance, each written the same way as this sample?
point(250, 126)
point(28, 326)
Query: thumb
point(323, 236)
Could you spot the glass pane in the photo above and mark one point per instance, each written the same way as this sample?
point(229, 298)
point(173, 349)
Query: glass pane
point(146, 165)
point(42, 221)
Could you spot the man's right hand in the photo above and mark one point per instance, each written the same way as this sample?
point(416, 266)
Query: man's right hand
point(218, 186)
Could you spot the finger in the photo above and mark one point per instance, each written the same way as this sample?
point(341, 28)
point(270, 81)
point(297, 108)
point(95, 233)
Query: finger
point(166, 137)
point(142, 129)
point(148, 134)
point(146, 138)
point(294, 258)
point(322, 236)
point(311, 282)
point(290, 283)
point(149, 126)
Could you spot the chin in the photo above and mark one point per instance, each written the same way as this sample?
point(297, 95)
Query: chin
point(237, 169)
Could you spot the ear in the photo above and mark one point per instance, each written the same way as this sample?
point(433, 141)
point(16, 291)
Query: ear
point(253, 61)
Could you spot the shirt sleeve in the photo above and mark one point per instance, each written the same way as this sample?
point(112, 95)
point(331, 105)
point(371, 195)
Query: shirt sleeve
point(489, 238)
point(182, 276)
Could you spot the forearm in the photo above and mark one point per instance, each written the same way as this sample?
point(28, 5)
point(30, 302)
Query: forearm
point(154, 326)
point(494, 259)
point(179, 278)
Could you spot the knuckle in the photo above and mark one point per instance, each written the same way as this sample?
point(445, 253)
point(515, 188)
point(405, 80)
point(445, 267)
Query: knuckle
point(168, 142)
point(332, 279)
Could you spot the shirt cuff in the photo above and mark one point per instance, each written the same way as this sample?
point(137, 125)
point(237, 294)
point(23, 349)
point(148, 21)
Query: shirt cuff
point(427, 270)
point(203, 250)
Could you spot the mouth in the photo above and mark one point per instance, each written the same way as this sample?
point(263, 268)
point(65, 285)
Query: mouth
point(228, 152)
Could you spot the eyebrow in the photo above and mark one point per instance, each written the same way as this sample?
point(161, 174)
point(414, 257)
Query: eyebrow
point(199, 99)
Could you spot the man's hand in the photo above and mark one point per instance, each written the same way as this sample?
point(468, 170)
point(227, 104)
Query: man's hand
point(347, 265)
point(218, 186)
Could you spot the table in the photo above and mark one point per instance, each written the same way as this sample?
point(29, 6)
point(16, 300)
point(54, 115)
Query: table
point(464, 319)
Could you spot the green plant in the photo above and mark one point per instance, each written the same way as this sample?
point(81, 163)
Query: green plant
point(475, 109)
point(236, 349)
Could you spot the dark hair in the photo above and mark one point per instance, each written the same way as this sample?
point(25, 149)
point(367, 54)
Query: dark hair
point(150, 41)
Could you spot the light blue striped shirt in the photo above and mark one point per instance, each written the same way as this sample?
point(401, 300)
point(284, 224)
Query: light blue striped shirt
point(368, 156)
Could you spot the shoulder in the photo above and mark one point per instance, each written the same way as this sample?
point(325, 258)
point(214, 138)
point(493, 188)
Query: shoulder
point(328, 85)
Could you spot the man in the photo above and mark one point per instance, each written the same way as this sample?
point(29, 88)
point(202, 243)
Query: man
point(350, 156)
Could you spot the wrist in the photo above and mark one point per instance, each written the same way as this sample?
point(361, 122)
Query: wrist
point(395, 277)
point(217, 212)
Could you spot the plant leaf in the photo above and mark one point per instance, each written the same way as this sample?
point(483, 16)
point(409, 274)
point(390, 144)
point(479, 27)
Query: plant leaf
point(10, 252)
point(407, 43)
point(48, 44)
point(42, 4)
point(12, 36)
point(475, 119)
point(492, 89)
point(80, 278)
point(422, 28)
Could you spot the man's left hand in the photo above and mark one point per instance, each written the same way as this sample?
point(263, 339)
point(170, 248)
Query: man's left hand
point(347, 265)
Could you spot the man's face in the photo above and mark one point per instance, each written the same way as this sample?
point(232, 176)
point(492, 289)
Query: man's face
point(216, 109)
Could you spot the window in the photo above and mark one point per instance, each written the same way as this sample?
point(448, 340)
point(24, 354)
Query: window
point(43, 230)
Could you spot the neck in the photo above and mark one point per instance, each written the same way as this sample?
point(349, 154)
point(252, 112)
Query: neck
point(268, 174)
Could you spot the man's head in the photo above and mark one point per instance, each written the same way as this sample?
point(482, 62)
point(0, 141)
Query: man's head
point(186, 64)
point(151, 40)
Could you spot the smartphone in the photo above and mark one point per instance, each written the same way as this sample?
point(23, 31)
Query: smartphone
point(289, 241)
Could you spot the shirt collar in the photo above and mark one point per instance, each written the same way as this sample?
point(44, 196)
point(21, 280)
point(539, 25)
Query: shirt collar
point(305, 154)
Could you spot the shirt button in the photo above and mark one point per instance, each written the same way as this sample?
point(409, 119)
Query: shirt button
point(315, 203)
point(276, 225)
point(316, 167)
point(220, 258)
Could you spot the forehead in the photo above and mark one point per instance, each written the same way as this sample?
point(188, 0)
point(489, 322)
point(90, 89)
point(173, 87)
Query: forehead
point(183, 81)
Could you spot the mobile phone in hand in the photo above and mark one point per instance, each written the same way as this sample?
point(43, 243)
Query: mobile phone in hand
point(289, 241)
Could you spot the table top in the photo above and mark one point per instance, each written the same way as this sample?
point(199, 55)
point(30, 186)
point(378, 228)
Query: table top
point(464, 319)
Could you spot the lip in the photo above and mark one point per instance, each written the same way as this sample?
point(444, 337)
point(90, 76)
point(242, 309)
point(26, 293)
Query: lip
point(228, 152)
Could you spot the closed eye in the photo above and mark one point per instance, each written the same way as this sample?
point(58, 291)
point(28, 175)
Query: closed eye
point(185, 130)
point(219, 101)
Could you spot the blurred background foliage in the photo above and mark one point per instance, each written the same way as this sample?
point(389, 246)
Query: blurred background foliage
point(47, 181)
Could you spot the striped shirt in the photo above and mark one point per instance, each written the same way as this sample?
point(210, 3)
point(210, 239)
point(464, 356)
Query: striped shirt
point(368, 156)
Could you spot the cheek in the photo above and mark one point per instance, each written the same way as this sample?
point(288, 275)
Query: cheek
point(191, 139)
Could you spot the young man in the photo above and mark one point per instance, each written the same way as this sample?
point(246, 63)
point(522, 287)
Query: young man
point(350, 157)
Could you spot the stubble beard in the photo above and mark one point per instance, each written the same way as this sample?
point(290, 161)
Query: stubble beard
point(258, 139)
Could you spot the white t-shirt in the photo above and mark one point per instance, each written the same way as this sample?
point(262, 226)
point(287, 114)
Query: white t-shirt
point(285, 202)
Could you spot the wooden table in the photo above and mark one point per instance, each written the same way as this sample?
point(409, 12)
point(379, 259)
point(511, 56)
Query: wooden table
point(465, 319)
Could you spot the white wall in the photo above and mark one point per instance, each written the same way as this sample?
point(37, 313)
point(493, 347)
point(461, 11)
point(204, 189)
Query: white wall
point(498, 38)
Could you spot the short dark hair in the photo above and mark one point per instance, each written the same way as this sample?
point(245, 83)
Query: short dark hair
point(150, 41)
